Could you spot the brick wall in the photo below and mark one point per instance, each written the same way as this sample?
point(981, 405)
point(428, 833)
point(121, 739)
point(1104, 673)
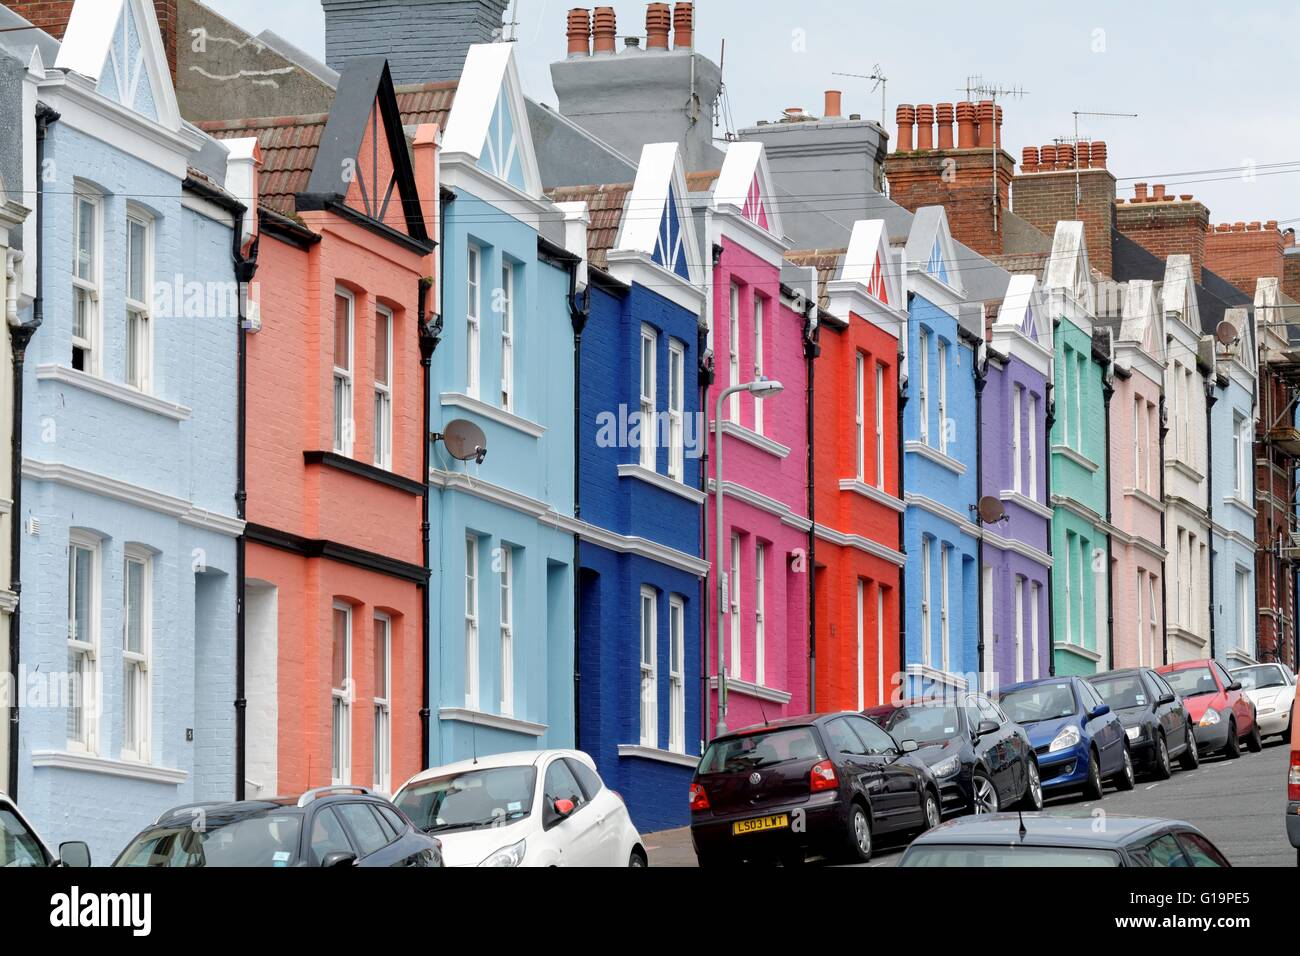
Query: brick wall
point(1047, 197)
point(1166, 225)
point(961, 180)
point(1242, 252)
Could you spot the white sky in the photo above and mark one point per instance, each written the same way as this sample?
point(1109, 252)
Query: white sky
point(1215, 84)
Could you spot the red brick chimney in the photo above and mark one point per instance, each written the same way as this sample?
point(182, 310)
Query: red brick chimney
point(1243, 254)
point(961, 177)
point(52, 16)
point(1165, 225)
point(1045, 193)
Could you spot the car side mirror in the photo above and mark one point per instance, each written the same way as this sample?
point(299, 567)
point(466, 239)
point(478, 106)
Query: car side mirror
point(564, 808)
point(74, 854)
point(339, 858)
point(910, 746)
point(1235, 685)
point(1100, 711)
point(987, 727)
point(1166, 699)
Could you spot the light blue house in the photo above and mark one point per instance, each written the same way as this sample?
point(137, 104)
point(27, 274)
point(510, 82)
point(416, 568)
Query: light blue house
point(502, 531)
point(129, 430)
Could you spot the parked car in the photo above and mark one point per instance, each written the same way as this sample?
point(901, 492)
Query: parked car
point(547, 808)
point(22, 847)
point(1079, 742)
point(1293, 786)
point(1042, 839)
point(326, 827)
point(1271, 688)
point(824, 784)
point(981, 760)
point(1154, 717)
point(1224, 715)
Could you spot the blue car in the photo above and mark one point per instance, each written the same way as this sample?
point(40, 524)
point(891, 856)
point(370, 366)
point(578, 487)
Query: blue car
point(1080, 744)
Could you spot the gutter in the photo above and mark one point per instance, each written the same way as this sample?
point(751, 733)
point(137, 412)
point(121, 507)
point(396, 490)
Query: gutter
point(579, 313)
point(1049, 420)
point(980, 371)
point(430, 334)
point(902, 515)
point(1210, 400)
point(1164, 536)
point(704, 380)
point(811, 350)
point(1108, 392)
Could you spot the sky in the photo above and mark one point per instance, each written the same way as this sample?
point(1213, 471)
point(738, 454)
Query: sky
point(1215, 86)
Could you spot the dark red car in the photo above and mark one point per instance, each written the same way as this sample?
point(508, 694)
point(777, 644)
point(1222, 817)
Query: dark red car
point(1224, 716)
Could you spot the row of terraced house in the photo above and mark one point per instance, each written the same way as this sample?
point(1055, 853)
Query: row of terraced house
point(371, 415)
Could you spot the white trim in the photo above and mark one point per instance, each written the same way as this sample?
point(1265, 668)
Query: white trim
point(1080, 511)
point(663, 482)
point(492, 413)
point(854, 486)
point(208, 209)
point(1180, 466)
point(66, 375)
point(461, 171)
point(1019, 547)
point(495, 721)
point(925, 672)
point(343, 377)
point(637, 268)
point(934, 455)
point(762, 503)
point(89, 763)
point(751, 437)
point(1068, 453)
point(662, 756)
point(644, 548)
point(1029, 504)
point(1078, 649)
point(178, 508)
point(746, 689)
point(943, 511)
point(1232, 501)
point(862, 544)
point(1148, 500)
point(730, 223)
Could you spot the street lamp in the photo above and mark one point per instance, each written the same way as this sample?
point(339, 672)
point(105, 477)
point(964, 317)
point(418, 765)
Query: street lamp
point(759, 389)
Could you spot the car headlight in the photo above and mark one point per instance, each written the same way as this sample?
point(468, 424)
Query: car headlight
point(1067, 738)
point(1134, 733)
point(507, 855)
point(946, 768)
point(1210, 718)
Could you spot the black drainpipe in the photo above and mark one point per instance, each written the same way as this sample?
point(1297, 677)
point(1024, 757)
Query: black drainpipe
point(704, 378)
point(1107, 392)
point(812, 349)
point(902, 514)
point(1049, 421)
point(1164, 546)
point(579, 313)
point(1210, 399)
point(430, 334)
point(981, 379)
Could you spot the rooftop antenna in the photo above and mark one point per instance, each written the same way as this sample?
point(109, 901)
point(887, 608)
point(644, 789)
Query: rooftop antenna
point(879, 81)
point(1076, 140)
point(510, 29)
point(979, 88)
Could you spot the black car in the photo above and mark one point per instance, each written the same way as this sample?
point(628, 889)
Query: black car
point(982, 760)
point(1041, 839)
point(328, 826)
point(1157, 723)
point(825, 784)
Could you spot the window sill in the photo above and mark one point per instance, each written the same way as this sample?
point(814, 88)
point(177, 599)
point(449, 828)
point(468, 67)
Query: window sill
point(1187, 470)
point(1234, 502)
point(934, 455)
point(1146, 499)
point(871, 492)
point(747, 689)
point(1078, 650)
point(495, 721)
point(751, 437)
point(926, 672)
point(1029, 504)
point(341, 462)
point(492, 413)
point(112, 390)
point(662, 482)
point(1069, 454)
point(90, 763)
point(661, 756)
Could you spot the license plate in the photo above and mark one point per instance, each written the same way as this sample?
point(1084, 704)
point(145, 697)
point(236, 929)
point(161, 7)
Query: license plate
point(759, 824)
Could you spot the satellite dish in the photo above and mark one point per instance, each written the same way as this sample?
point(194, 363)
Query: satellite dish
point(465, 441)
point(1225, 332)
point(991, 510)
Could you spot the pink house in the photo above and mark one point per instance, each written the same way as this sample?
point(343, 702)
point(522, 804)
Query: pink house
point(757, 330)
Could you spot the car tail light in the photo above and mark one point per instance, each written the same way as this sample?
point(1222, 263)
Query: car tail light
point(699, 798)
point(1293, 782)
point(823, 777)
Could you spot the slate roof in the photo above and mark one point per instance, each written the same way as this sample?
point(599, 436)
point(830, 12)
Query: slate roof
point(605, 205)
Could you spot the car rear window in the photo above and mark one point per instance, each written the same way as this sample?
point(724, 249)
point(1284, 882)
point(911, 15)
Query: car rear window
point(1122, 692)
point(18, 847)
point(1192, 681)
point(765, 749)
point(265, 839)
point(1009, 856)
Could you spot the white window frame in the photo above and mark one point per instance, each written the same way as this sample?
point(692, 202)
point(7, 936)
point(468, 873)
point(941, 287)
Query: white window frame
point(383, 743)
point(880, 644)
point(1153, 622)
point(136, 668)
point(1020, 629)
point(676, 410)
point(344, 409)
point(986, 623)
point(341, 703)
point(507, 634)
point(1141, 623)
point(649, 365)
point(860, 415)
point(139, 310)
point(507, 335)
point(676, 675)
point(1017, 403)
point(84, 684)
point(1244, 616)
point(923, 382)
point(1035, 596)
point(945, 615)
point(1033, 447)
point(758, 360)
point(473, 317)
point(1137, 443)
point(733, 352)
point(760, 612)
point(941, 353)
point(1082, 378)
point(91, 287)
point(473, 602)
point(1069, 587)
point(733, 595)
point(880, 426)
point(384, 396)
point(649, 666)
point(859, 659)
point(927, 653)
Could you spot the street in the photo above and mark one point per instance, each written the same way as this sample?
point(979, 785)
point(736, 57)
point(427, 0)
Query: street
point(1237, 803)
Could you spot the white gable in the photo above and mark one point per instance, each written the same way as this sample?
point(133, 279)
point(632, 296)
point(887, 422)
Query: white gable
point(930, 249)
point(489, 120)
point(656, 220)
point(1178, 294)
point(1243, 348)
point(870, 263)
point(117, 44)
point(745, 184)
point(1067, 266)
point(1023, 327)
point(1275, 320)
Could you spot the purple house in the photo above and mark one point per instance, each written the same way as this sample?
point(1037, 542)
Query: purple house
point(1015, 635)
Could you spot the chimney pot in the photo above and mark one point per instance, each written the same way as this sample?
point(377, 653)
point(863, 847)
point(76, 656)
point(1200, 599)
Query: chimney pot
point(1065, 156)
point(605, 30)
point(1223, 227)
point(855, 117)
point(906, 116)
point(1140, 192)
point(684, 26)
point(1185, 197)
point(997, 122)
point(1255, 226)
point(1271, 225)
point(1238, 227)
point(986, 115)
point(1029, 159)
point(925, 127)
point(1159, 191)
point(579, 32)
point(658, 24)
point(965, 125)
point(1047, 158)
point(944, 112)
point(834, 104)
point(1098, 156)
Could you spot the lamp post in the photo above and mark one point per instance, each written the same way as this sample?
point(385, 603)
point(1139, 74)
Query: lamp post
point(759, 389)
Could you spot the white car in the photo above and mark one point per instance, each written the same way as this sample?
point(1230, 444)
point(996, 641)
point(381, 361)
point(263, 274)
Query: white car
point(1271, 687)
point(21, 845)
point(536, 808)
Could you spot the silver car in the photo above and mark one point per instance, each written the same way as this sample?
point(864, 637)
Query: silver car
point(1271, 688)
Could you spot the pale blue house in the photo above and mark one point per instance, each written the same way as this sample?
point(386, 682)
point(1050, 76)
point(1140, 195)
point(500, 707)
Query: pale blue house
point(129, 532)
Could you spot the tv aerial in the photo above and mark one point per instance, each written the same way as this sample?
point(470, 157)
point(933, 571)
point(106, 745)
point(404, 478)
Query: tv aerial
point(464, 441)
point(879, 82)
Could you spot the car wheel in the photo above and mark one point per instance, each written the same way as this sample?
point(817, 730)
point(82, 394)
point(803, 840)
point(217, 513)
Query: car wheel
point(1034, 791)
point(933, 815)
point(984, 796)
point(1254, 742)
point(1094, 789)
point(638, 859)
point(1191, 758)
point(1126, 778)
point(1232, 749)
point(859, 841)
point(1164, 766)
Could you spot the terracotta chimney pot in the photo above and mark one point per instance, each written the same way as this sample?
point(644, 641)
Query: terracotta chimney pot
point(906, 116)
point(605, 30)
point(658, 24)
point(944, 113)
point(1065, 156)
point(834, 104)
point(925, 127)
point(986, 114)
point(1140, 192)
point(684, 26)
point(1099, 154)
point(579, 32)
point(1029, 159)
point(965, 125)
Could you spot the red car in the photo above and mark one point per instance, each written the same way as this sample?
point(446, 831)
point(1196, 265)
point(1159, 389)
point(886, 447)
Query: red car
point(1223, 714)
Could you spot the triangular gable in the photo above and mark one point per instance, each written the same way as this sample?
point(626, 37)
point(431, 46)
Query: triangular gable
point(869, 263)
point(1271, 316)
point(117, 44)
point(745, 183)
point(364, 162)
point(655, 222)
point(1067, 267)
point(1178, 292)
point(1021, 312)
point(489, 120)
point(930, 247)
point(1140, 323)
point(1243, 349)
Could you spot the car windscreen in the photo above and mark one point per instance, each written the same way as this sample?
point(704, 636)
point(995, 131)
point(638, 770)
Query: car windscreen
point(1123, 692)
point(1192, 681)
point(1001, 854)
point(924, 723)
point(494, 796)
point(1027, 705)
point(268, 838)
point(18, 846)
point(1257, 678)
point(753, 751)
